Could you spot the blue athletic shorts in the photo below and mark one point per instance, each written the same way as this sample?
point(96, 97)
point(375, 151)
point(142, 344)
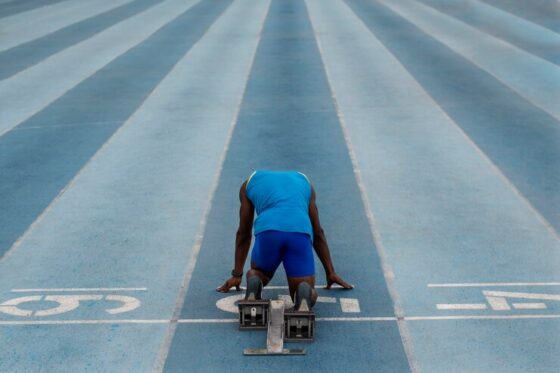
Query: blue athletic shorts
point(293, 249)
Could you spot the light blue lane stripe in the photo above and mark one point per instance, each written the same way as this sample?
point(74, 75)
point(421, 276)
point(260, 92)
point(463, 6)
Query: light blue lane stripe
point(10, 7)
point(526, 35)
point(544, 12)
point(25, 55)
point(132, 214)
point(16, 29)
point(533, 78)
point(21, 96)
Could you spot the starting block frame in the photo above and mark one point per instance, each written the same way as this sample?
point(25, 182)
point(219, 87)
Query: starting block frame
point(275, 334)
point(299, 326)
point(253, 314)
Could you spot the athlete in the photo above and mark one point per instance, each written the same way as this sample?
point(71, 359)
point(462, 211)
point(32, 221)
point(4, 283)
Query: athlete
point(286, 229)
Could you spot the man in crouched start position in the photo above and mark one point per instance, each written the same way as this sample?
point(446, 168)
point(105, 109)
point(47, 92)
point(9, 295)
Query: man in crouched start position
point(286, 229)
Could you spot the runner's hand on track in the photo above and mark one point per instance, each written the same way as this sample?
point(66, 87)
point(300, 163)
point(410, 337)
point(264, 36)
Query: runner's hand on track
point(336, 279)
point(233, 281)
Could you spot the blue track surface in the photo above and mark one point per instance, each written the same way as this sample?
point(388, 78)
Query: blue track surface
point(428, 129)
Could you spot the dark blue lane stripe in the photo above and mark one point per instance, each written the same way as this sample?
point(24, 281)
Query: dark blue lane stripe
point(25, 55)
point(19, 6)
point(542, 12)
point(464, 12)
point(40, 157)
point(522, 140)
point(288, 121)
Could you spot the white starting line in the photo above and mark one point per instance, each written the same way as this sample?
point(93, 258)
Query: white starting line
point(495, 301)
point(232, 321)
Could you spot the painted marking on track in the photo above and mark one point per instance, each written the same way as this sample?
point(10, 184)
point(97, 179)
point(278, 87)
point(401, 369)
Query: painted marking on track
point(347, 305)
point(66, 303)
point(282, 287)
point(462, 306)
point(58, 290)
point(498, 301)
point(128, 303)
point(490, 284)
point(507, 294)
point(350, 305)
point(11, 306)
point(288, 303)
point(529, 306)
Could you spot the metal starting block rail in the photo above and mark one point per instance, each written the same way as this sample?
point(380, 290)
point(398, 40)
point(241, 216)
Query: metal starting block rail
point(275, 334)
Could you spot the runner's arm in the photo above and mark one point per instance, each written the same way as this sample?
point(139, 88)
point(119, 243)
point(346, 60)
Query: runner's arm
point(321, 246)
point(242, 238)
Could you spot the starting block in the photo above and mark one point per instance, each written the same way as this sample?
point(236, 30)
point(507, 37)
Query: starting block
point(275, 334)
point(299, 326)
point(253, 314)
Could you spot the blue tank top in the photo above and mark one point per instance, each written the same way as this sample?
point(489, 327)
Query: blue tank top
point(281, 200)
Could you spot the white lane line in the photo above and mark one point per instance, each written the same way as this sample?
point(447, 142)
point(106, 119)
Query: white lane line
point(207, 321)
point(21, 95)
point(58, 290)
point(388, 273)
point(261, 12)
point(232, 321)
point(529, 306)
point(24, 27)
point(330, 300)
point(489, 284)
point(482, 317)
point(349, 305)
point(535, 79)
point(459, 306)
point(365, 318)
point(84, 322)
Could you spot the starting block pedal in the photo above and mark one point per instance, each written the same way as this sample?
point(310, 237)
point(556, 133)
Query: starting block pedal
point(299, 326)
point(275, 334)
point(253, 314)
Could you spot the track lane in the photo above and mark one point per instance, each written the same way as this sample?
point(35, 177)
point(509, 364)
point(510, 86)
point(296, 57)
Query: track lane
point(131, 215)
point(288, 121)
point(444, 213)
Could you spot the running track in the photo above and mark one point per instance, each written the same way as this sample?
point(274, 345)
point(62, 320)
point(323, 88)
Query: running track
point(430, 129)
